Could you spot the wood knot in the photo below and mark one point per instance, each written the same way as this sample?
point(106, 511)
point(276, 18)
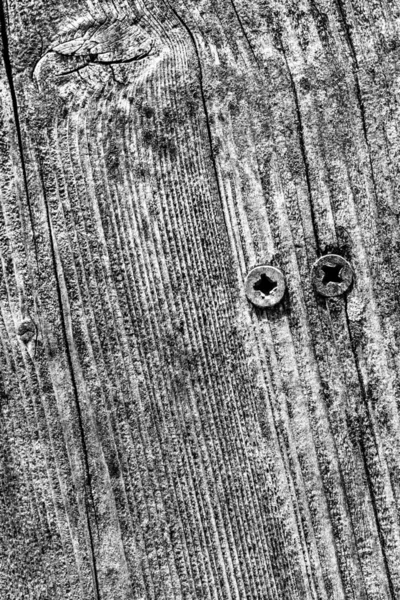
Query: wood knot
point(26, 331)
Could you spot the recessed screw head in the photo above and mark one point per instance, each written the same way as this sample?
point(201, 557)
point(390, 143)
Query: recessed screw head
point(332, 275)
point(26, 330)
point(265, 286)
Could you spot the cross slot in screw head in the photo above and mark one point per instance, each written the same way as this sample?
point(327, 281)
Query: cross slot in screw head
point(332, 275)
point(265, 286)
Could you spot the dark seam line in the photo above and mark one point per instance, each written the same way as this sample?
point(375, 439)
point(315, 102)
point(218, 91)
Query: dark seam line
point(76, 70)
point(359, 98)
point(355, 65)
point(244, 32)
point(357, 85)
point(38, 58)
point(8, 69)
point(342, 575)
point(75, 390)
point(95, 61)
point(212, 156)
point(299, 121)
point(300, 129)
point(363, 452)
point(122, 60)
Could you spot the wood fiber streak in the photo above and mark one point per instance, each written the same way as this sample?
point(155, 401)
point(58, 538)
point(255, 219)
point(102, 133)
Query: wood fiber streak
point(162, 439)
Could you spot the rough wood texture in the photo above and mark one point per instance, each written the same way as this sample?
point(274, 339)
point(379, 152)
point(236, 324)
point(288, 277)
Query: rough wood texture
point(160, 438)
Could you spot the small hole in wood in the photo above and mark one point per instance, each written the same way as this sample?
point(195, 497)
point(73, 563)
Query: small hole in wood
point(265, 285)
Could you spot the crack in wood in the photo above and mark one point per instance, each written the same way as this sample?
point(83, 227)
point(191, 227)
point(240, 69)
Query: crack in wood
point(87, 483)
point(11, 86)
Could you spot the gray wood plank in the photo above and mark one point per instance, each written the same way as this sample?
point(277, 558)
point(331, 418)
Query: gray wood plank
point(161, 438)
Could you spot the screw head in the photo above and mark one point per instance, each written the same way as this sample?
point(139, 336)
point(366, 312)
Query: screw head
point(265, 286)
point(332, 275)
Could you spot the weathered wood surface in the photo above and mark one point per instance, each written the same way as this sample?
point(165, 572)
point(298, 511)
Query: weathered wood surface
point(160, 438)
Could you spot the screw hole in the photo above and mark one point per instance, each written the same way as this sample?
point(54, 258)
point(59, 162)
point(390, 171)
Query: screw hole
point(332, 274)
point(265, 285)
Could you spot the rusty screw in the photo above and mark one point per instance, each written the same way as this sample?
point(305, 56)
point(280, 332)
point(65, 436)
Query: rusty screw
point(265, 286)
point(26, 330)
point(332, 275)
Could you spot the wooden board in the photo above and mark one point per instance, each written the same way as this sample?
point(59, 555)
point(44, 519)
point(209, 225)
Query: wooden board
point(161, 438)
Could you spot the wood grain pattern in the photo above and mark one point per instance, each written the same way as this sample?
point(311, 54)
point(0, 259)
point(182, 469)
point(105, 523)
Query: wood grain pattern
point(160, 438)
